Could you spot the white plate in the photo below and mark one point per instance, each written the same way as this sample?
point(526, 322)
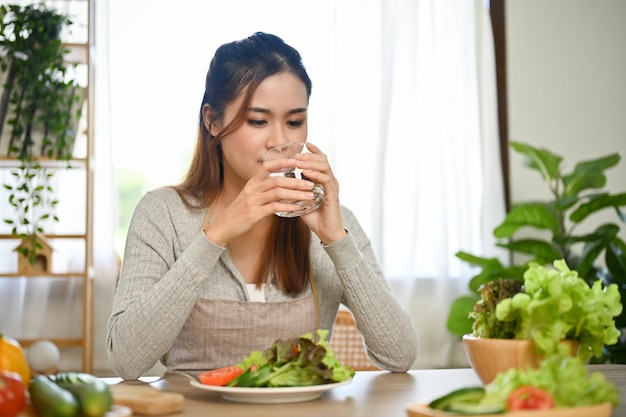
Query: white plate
point(278, 395)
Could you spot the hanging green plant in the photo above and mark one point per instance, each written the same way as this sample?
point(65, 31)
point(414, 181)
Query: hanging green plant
point(39, 108)
point(32, 197)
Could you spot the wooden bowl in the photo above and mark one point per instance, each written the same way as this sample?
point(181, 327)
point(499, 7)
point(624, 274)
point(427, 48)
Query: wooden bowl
point(488, 357)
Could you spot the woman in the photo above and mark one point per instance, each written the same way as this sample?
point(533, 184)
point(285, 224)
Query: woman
point(210, 273)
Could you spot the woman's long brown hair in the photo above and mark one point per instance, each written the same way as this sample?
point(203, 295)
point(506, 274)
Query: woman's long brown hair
point(238, 68)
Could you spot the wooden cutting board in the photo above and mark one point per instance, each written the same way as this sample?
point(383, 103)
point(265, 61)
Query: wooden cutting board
point(598, 410)
point(146, 400)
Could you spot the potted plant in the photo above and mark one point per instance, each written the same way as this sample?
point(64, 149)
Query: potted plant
point(517, 324)
point(39, 109)
point(575, 197)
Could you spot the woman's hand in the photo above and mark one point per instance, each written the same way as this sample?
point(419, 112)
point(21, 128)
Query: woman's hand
point(326, 221)
point(260, 197)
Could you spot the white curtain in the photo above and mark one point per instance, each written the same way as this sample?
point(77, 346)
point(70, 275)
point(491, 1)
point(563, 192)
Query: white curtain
point(418, 83)
point(106, 217)
point(403, 103)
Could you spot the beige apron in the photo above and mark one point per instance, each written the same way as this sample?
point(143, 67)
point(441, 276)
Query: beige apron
point(223, 332)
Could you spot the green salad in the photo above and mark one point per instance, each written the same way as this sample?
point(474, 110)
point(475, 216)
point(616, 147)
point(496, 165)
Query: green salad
point(564, 376)
point(299, 361)
point(560, 381)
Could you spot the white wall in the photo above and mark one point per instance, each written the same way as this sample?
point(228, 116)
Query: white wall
point(566, 64)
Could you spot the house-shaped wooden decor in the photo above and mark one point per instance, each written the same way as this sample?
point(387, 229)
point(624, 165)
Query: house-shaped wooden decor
point(43, 258)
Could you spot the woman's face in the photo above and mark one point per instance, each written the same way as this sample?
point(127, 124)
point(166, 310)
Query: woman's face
point(277, 114)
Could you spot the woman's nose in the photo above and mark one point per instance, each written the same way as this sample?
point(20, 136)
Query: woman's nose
point(278, 136)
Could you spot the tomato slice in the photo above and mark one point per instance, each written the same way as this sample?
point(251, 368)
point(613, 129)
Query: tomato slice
point(220, 376)
point(530, 398)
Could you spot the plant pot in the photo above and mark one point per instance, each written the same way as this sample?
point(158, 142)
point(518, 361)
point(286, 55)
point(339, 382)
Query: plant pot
point(488, 357)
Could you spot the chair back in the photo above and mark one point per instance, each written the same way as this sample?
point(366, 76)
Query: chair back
point(347, 343)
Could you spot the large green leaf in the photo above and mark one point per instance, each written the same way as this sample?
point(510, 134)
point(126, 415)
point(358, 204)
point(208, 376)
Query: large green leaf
point(540, 249)
point(537, 215)
point(588, 174)
point(615, 258)
point(599, 164)
point(491, 268)
point(477, 260)
point(602, 233)
point(489, 274)
point(485, 275)
point(578, 184)
point(565, 203)
point(541, 160)
point(459, 322)
point(596, 243)
point(597, 203)
point(621, 214)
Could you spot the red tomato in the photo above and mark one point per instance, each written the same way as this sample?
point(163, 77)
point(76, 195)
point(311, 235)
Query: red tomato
point(530, 398)
point(220, 376)
point(12, 394)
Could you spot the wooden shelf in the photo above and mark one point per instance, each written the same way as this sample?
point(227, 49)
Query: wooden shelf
point(12, 162)
point(49, 236)
point(81, 54)
point(60, 342)
point(65, 275)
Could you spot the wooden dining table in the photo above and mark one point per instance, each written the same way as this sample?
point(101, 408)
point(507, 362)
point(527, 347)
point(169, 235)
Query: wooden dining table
point(369, 394)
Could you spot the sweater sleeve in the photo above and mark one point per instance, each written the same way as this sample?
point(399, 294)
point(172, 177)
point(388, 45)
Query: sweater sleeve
point(156, 290)
point(387, 330)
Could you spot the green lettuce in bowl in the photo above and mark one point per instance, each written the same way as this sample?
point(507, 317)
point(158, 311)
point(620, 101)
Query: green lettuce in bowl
point(552, 305)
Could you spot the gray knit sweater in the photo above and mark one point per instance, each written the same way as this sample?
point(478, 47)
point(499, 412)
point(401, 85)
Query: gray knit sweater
point(169, 263)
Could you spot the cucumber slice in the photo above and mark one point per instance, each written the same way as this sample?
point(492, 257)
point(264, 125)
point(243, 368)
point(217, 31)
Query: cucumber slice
point(465, 401)
point(464, 395)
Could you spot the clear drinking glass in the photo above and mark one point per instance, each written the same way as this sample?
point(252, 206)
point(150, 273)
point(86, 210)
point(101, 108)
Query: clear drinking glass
point(287, 151)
